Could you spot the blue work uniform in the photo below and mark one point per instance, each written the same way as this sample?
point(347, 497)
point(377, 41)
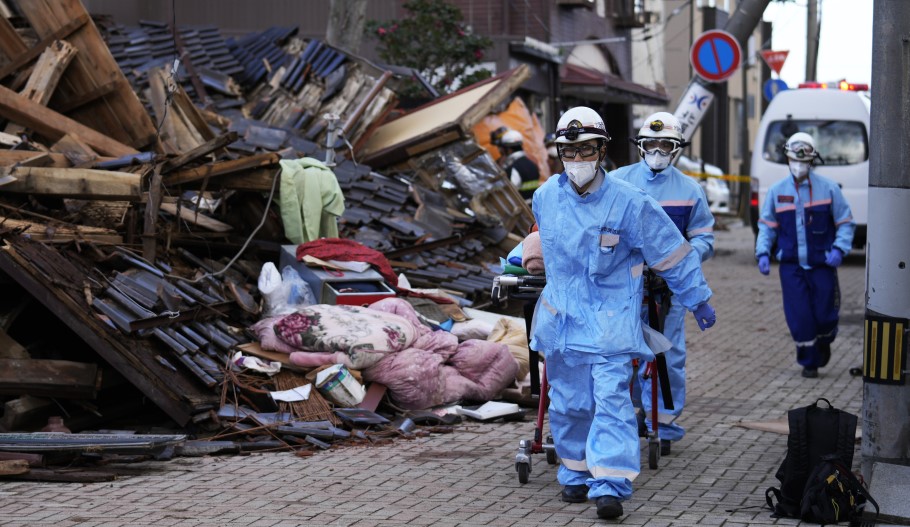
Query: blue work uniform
point(684, 201)
point(807, 220)
point(587, 322)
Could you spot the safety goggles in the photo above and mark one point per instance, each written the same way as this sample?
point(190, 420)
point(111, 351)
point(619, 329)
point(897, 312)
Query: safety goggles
point(664, 146)
point(569, 152)
point(801, 151)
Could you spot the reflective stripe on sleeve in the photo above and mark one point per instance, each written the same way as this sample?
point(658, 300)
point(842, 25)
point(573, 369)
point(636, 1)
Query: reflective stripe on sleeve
point(696, 232)
point(675, 257)
point(848, 219)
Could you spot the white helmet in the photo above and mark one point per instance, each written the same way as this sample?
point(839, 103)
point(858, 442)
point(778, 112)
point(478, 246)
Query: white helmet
point(511, 138)
point(801, 147)
point(661, 125)
point(660, 133)
point(580, 124)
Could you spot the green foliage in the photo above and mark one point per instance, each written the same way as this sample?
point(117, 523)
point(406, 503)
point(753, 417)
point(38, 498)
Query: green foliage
point(432, 40)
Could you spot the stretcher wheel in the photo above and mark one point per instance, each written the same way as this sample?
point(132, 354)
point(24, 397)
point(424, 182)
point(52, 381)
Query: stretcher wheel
point(551, 457)
point(524, 470)
point(551, 453)
point(653, 454)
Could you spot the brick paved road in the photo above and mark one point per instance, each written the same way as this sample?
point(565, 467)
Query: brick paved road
point(743, 369)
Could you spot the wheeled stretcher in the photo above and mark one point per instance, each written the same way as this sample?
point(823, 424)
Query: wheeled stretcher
point(528, 288)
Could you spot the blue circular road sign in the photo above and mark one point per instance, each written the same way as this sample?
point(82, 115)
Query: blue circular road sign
point(772, 87)
point(715, 55)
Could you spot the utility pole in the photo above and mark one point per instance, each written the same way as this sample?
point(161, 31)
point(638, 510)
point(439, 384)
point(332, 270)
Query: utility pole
point(886, 392)
point(812, 31)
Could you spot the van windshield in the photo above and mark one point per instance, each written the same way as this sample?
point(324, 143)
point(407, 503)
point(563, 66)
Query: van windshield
point(838, 142)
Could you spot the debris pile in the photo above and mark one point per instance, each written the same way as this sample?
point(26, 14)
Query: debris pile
point(142, 197)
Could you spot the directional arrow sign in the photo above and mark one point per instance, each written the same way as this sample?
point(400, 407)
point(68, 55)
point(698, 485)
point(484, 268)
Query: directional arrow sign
point(715, 55)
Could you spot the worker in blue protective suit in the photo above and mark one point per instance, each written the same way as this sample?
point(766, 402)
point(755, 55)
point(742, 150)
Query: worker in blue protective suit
point(810, 220)
point(597, 233)
point(683, 199)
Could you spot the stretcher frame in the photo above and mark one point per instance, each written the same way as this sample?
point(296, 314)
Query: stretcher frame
point(528, 289)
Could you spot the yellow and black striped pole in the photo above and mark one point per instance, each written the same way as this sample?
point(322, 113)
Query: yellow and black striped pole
point(885, 350)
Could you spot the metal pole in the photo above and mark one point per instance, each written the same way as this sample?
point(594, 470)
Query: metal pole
point(886, 407)
point(811, 39)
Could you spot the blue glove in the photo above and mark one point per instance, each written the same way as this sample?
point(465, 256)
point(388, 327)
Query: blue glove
point(764, 265)
point(705, 316)
point(834, 257)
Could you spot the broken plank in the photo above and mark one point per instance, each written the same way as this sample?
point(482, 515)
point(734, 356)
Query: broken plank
point(256, 179)
point(75, 150)
point(43, 81)
point(204, 149)
point(80, 183)
point(32, 159)
point(120, 115)
point(195, 218)
point(26, 58)
point(49, 378)
point(56, 233)
point(222, 168)
point(53, 125)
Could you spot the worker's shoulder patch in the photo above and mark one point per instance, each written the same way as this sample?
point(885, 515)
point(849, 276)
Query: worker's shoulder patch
point(785, 199)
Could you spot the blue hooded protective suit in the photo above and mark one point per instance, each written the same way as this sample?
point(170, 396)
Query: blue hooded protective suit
point(588, 323)
point(683, 199)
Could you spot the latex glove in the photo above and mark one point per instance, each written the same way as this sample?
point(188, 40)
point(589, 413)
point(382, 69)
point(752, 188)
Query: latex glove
point(705, 316)
point(834, 257)
point(764, 264)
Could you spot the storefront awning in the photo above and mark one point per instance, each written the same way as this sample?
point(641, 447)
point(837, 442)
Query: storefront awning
point(585, 83)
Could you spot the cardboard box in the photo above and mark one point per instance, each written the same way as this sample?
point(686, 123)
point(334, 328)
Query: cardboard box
point(337, 287)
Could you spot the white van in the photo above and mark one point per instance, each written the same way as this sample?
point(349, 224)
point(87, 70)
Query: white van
point(836, 115)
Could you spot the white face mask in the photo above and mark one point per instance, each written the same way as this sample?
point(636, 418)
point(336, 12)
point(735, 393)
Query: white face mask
point(580, 172)
point(657, 161)
point(799, 169)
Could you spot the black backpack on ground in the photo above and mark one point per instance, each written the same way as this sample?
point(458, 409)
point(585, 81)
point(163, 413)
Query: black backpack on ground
point(815, 433)
point(833, 494)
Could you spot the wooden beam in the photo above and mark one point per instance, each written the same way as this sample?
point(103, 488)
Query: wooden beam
point(79, 183)
point(49, 378)
point(35, 159)
point(36, 50)
point(56, 232)
point(48, 70)
point(199, 219)
point(256, 179)
point(204, 149)
point(78, 153)
point(119, 115)
point(221, 169)
point(53, 125)
point(11, 44)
